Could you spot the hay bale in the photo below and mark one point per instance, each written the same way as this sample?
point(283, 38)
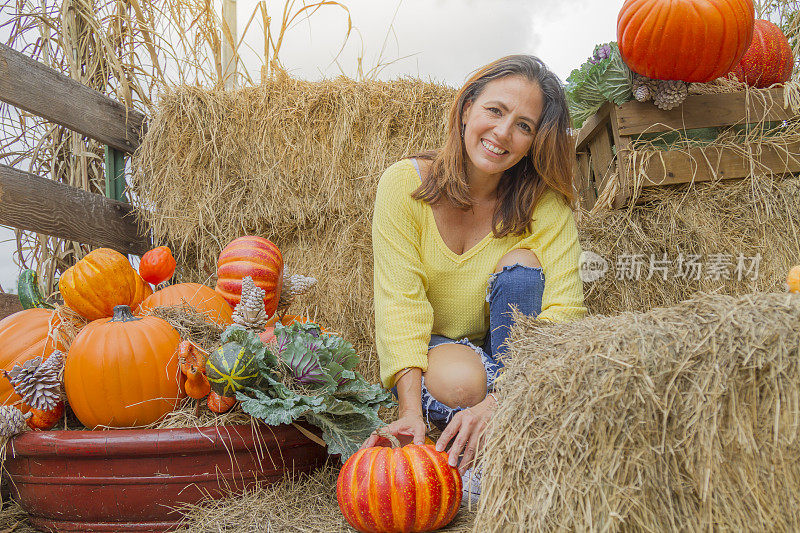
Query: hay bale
point(755, 217)
point(294, 161)
point(682, 418)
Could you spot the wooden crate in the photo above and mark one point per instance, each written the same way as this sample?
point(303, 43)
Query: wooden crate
point(603, 144)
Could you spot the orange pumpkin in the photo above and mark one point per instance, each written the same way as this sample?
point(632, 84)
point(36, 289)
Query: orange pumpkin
point(398, 489)
point(204, 299)
point(219, 404)
point(157, 265)
point(793, 279)
point(769, 58)
point(23, 336)
point(100, 281)
point(252, 256)
point(693, 41)
point(123, 371)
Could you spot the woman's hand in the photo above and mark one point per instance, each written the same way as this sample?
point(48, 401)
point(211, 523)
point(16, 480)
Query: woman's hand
point(408, 428)
point(467, 429)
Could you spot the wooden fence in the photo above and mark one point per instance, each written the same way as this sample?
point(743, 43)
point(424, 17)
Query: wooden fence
point(38, 204)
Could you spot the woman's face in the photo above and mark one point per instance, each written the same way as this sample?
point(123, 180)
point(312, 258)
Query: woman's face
point(500, 125)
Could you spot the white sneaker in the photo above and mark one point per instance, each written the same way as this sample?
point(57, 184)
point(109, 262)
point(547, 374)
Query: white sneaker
point(471, 481)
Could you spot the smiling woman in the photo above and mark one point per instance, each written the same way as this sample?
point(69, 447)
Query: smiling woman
point(462, 234)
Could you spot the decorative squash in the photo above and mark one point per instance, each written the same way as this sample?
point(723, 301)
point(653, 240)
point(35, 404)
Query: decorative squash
point(157, 265)
point(693, 41)
point(23, 336)
point(220, 404)
point(396, 489)
point(100, 281)
point(769, 58)
point(793, 279)
point(252, 256)
point(229, 368)
point(28, 291)
point(193, 367)
point(203, 299)
point(123, 371)
point(44, 420)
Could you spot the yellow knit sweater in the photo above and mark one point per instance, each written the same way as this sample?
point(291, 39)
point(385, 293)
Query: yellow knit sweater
point(422, 287)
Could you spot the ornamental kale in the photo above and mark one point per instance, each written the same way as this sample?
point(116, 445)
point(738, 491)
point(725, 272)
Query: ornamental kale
point(311, 375)
point(604, 77)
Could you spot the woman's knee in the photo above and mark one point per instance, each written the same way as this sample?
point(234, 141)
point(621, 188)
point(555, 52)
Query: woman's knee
point(455, 376)
point(519, 256)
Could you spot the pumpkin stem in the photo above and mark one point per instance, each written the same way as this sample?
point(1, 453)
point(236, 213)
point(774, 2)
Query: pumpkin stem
point(383, 432)
point(122, 313)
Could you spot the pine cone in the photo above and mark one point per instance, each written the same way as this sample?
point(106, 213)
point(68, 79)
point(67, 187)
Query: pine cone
point(39, 384)
point(294, 285)
point(250, 312)
point(670, 94)
point(643, 87)
point(12, 421)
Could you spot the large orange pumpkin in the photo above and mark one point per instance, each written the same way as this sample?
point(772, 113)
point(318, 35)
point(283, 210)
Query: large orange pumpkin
point(23, 336)
point(123, 371)
point(100, 281)
point(204, 299)
point(252, 256)
point(396, 489)
point(769, 58)
point(689, 40)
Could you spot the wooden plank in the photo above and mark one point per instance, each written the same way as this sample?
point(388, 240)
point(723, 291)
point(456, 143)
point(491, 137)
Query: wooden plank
point(592, 126)
point(700, 111)
point(38, 89)
point(602, 157)
point(38, 204)
point(623, 145)
point(9, 304)
point(702, 163)
point(585, 185)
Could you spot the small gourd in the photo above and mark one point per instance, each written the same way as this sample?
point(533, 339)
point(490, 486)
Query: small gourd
point(793, 279)
point(28, 291)
point(193, 366)
point(230, 368)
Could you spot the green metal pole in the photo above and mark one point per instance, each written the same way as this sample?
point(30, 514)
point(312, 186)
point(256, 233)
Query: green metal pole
point(115, 174)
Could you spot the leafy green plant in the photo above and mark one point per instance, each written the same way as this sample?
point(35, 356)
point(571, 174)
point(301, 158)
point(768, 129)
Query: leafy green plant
point(604, 77)
point(311, 375)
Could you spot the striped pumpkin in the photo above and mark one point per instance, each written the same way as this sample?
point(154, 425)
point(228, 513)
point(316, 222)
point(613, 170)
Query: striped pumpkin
point(396, 489)
point(252, 256)
point(229, 368)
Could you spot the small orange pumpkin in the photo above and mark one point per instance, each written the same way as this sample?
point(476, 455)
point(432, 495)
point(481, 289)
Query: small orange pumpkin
point(793, 279)
point(99, 282)
point(157, 265)
point(203, 299)
point(409, 488)
point(123, 371)
point(44, 420)
point(220, 404)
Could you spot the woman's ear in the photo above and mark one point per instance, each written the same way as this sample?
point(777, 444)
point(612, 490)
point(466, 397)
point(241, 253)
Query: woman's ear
point(465, 111)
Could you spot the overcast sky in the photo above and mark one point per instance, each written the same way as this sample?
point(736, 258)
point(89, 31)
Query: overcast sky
point(437, 40)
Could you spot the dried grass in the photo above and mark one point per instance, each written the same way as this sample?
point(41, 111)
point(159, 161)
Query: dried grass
point(683, 418)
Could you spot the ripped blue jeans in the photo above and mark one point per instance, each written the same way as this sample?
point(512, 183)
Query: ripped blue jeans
point(516, 285)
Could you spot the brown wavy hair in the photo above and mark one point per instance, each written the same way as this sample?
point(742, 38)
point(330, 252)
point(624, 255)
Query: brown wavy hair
point(548, 164)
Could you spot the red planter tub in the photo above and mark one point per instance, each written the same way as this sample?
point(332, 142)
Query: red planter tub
point(130, 480)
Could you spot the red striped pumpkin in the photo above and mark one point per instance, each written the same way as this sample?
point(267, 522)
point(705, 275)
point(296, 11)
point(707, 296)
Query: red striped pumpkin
point(252, 256)
point(769, 58)
point(386, 490)
point(693, 41)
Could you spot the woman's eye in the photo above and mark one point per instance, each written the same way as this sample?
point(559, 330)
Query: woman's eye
point(493, 110)
point(525, 127)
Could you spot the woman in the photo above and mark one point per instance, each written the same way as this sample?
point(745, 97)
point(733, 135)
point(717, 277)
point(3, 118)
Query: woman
point(462, 234)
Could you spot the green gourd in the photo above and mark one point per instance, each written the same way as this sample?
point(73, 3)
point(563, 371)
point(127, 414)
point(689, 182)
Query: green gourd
point(229, 368)
point(28, 291)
